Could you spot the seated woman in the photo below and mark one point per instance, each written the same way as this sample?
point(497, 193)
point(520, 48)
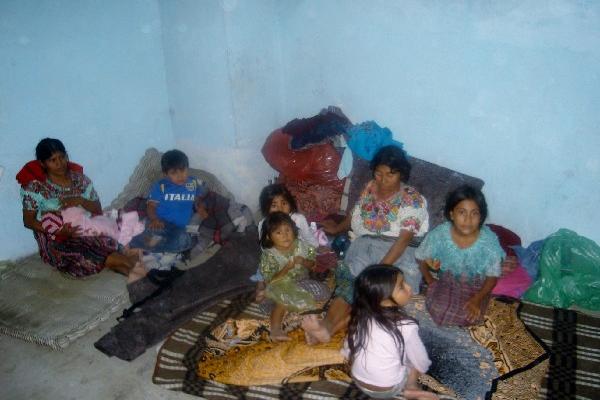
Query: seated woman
point(59, 185)
point(387, 216)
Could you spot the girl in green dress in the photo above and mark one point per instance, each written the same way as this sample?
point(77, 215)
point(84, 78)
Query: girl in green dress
point(285, 264)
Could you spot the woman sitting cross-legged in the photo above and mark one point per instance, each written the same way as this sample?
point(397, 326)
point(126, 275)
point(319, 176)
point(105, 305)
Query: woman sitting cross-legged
point(51, 184)
point(388, 214)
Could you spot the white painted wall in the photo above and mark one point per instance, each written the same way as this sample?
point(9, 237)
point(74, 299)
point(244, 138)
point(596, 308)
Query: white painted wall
point(88, 72)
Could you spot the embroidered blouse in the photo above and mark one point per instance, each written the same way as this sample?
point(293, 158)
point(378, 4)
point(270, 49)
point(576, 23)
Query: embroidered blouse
point(483, 258)
point(45, 196)
point(406, 210)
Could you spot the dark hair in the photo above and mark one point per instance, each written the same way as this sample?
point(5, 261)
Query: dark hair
point(466, 192)
point(395, 158)
point(47, 147)
point(174, 159)
point(270, 192)
point(373, 285)
point(272, 222)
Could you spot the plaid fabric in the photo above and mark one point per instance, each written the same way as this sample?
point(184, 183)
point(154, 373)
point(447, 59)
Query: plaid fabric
point(446, 299)
point(573, 341)
point(178, 358)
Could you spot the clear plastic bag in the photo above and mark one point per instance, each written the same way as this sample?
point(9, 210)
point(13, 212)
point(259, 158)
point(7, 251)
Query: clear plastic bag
point(569, 272)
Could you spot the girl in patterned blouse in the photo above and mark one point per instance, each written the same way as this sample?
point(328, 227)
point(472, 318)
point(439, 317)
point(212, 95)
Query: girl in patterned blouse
point(468, 256)
point(285, 262)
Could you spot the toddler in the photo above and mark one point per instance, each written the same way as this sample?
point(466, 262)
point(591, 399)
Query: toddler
point(172, 202)
point(285, 263)
point(273, 198)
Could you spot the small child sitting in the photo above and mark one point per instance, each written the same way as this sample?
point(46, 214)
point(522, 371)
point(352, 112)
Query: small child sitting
point(171, 204)
point(383, 345)
point(285, 264)
point(277, 198)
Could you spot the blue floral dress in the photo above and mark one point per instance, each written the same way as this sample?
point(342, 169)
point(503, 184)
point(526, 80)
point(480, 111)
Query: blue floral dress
point(462, 272)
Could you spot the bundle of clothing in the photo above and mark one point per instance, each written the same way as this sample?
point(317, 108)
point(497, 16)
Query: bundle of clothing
point(315, 155)
point(121, 226)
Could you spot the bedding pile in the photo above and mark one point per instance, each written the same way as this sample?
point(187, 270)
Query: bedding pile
point(191, 359)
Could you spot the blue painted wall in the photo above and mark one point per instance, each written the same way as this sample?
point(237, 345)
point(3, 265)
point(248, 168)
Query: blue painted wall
point(507, 91)
point(89, 72)
point(223, 63)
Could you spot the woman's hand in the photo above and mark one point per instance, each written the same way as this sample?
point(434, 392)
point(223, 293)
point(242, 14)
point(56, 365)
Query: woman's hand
point(93, 206)
point(67, 230)
point(473, 308)
point(156, 224)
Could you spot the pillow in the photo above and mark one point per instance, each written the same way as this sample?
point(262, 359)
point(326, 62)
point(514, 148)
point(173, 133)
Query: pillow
point(149, 171)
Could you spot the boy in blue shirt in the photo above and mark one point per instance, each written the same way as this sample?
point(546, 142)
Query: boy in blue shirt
point(171, 204)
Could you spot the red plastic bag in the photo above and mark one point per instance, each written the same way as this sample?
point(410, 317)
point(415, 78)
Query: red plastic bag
point(316, 164)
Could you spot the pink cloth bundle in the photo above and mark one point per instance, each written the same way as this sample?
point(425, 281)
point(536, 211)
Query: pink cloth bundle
point(98, 225)
point(52, 222)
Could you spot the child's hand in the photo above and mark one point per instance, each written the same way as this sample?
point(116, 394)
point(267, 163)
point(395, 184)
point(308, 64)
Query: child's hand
point(156, 224)
point(299, 260)
point(201, 210)
point(304, 262)
point(473, 309)
point(433, 263)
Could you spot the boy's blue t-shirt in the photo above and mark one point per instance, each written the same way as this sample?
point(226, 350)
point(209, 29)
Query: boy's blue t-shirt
point(176, 202)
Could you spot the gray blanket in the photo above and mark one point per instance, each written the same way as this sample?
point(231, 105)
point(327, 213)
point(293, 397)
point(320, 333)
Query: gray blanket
point(225, 274)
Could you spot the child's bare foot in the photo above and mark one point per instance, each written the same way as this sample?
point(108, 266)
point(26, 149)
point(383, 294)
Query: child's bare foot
point(315, 331)
point(133, 254)
point(136, 273)
point(278, 335)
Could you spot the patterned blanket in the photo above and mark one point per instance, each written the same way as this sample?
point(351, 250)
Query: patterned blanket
point(514, 353)
point(573, 342)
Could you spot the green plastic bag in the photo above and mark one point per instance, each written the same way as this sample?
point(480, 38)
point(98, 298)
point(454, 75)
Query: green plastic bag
point(569, 272)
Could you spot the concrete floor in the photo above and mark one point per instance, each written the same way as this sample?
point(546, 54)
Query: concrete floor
point(30, 371)
point(80, 372)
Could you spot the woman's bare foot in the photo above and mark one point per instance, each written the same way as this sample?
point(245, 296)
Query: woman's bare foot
point(278, 335)
point(137, 272)
point(315, 330)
